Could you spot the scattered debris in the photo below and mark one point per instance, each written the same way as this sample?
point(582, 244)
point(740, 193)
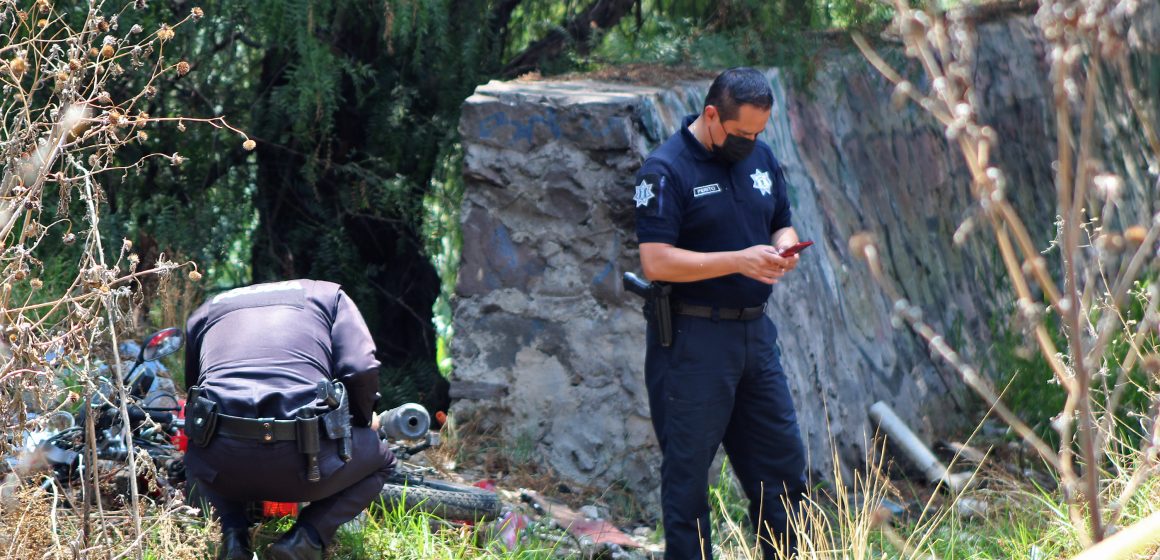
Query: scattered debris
point(966, 453)
point(592, 532)
point(508, 528)
point(972, 507)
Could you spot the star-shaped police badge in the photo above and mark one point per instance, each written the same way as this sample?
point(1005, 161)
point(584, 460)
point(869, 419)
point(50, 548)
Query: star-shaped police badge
point(644, 193)
point(761, 182)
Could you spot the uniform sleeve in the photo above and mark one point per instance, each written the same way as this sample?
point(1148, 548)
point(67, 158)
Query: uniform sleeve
point(658, 202)
point(193, 333)
point(781, 214)
point(353, 359)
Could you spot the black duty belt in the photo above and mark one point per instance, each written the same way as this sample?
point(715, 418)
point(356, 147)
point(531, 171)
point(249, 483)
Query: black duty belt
point(261, 429)
point(726, 313)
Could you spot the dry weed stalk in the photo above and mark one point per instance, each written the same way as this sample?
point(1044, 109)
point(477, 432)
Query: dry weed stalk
point(1098, 265)
point(74, 78)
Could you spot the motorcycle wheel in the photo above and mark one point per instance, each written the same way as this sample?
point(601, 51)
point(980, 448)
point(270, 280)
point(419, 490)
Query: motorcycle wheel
point(446, 500)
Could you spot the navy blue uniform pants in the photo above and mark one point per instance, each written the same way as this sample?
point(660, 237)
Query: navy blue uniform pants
point(231, 473)
point(722, 382)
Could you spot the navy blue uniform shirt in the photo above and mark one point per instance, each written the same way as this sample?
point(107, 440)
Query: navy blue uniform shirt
point(686, 198)
point(260, 351)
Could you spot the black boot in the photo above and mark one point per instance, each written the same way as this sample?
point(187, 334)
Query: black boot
point(235, 545)
point(297, 544)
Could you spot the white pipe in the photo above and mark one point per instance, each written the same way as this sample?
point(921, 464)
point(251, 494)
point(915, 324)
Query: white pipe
point(918, 452)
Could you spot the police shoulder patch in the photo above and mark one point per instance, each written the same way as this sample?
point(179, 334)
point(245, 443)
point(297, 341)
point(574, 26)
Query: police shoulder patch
point(646, 189)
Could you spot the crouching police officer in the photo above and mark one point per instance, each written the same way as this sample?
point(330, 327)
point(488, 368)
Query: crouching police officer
point(711, 217)
point(282, 383)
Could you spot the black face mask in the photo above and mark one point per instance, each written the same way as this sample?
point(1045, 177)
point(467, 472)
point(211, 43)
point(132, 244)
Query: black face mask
point(734, 149)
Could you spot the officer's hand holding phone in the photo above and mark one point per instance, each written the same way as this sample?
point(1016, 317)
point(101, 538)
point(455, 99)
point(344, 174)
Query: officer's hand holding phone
point(761, 263)
point(787, 257)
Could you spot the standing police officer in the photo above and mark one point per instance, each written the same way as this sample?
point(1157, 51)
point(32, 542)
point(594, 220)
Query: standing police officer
point(708, 203)
point(286, 384)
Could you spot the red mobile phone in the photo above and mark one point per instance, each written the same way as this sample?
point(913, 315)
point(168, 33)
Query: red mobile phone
point(795, 249)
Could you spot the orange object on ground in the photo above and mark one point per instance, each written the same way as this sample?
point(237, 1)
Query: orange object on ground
point(279, 509)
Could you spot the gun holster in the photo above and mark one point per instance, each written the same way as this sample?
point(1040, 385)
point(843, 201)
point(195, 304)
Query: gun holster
point(663, 313)
point(201, 418)
point(337, 421)
point(657, 306)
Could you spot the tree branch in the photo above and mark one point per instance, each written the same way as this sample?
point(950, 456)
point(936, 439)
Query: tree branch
point(600, 14)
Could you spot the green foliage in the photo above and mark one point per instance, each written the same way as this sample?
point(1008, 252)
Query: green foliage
point(443, 243)
point(1029, 386)
point(1026, 382)
point(396, 532)
point(1025, 527)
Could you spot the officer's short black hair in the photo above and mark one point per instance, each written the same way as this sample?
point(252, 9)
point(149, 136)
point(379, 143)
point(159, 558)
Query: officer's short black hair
point(736, 87)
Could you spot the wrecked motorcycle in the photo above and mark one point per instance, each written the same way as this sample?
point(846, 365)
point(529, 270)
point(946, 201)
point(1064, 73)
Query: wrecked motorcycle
point(156, 426)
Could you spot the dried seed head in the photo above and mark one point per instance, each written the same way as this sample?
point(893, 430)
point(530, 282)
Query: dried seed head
point(1108, 185)
point(19, 275)
point(1111, 242)
point(135, 29)
point(17, 66)
point(142, 136)
point(115, 118)
point(36, 283)
point(102, 25)
point(44, 6)
point(901, 94)
point(194, 275)
point(1135, 235)
point(150, 91)
point(107, 51)
point(196, 13)
point(249, 145)
point(911, 27)
point(69, 238)
point(861, 244)
point(165, 33)
point(177, 159)
point(182, 68)
point(93, 52)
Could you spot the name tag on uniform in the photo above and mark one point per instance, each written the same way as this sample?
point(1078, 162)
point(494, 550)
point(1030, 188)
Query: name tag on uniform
point(706, 190)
